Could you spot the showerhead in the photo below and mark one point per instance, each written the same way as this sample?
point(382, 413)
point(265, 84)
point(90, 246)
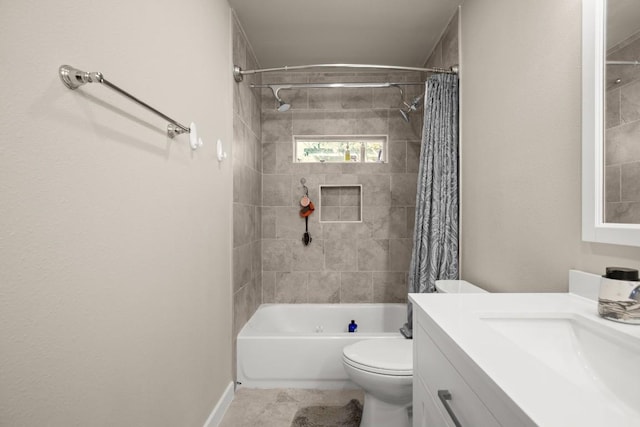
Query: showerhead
point(410, 108)
point(283, 106)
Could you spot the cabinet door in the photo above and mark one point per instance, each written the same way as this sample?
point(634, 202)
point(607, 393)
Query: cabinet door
point(438, 374)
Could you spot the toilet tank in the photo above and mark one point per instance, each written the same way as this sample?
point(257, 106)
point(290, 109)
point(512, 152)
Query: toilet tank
point(457, 287)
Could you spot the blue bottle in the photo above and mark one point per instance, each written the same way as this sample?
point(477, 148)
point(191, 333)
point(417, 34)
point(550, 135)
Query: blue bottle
point(353, 326)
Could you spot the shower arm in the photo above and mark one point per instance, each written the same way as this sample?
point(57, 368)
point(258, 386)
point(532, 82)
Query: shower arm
point(238, 72)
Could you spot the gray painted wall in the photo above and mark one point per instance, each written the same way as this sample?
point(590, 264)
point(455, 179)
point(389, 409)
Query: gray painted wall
point(521, 148)
point(115, 241)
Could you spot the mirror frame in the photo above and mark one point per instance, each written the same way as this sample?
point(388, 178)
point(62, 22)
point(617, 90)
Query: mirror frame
point(594, 229)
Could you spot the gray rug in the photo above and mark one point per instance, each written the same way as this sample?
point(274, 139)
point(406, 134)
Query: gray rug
point(348, 415)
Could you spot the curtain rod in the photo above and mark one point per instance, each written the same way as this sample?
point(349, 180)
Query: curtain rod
point(238, 72)
point(280, 86)
point(623, 62)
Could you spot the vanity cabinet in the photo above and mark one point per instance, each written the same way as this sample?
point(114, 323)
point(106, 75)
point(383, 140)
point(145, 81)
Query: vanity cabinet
point(439, 381)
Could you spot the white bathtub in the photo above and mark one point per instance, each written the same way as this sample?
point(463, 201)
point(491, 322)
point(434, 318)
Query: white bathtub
point(300, 345)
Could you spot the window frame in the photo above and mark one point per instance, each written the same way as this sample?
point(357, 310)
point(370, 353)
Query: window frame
point(384, 139)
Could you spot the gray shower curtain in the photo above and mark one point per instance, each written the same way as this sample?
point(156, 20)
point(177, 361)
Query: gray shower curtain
point(435, 238)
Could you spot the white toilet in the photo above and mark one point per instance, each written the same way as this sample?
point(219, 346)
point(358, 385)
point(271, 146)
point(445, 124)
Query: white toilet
point(384, 370)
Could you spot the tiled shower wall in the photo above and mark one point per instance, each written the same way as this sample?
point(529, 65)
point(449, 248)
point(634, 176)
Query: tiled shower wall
point(247, 188)
point(446, 53)
point(349, 262)
point(345, 262)
point(622, 158)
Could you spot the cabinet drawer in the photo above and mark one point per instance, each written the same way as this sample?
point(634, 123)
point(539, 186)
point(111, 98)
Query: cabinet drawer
point(437, 373)
point(426, 412)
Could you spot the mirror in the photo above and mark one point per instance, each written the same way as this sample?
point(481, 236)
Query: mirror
point(611, 121)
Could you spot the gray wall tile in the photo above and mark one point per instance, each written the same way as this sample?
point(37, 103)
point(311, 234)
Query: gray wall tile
point(403, 189)
point(373, 255)
point(630, 102)
point(449, 44)
point(612, 181)
point(307, 258)
point(291, 287)
point(276, 255)
point(324, 287)
point(241, 266)
point(269, 157)
point(276, 190)
point(330, 213)
point(276, 126)
point(350, 213)
point(612, 108)
point(341, 255)
point(387, 221)
point(387, 98)
point(390, 287)
point(356, 287)
point(269, 287)
point(284, 157)
point(323, 99)
point(623, 212)
point(397, 157)
point(376, 190)
point(356, 98)
point(630, 182)
point(400, 254)
point(269, 222)
point(308, 123)
point(413, 156)
point(289, 224)
point(243, 224)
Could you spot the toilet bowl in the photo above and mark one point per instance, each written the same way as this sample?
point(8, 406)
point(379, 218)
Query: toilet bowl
point(383, 368)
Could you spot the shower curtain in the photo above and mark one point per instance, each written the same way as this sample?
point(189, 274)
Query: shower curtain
point(435, 238)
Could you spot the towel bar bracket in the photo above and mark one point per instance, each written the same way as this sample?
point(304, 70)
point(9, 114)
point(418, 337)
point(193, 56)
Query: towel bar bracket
point(173, 130)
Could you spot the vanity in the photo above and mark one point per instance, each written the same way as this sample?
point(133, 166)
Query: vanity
point(523, 360)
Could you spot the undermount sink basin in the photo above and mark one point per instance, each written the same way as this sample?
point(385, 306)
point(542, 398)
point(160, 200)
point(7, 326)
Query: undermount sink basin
point(581, 350)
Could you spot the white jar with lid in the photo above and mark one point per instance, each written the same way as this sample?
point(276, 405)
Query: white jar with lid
point(619, 298)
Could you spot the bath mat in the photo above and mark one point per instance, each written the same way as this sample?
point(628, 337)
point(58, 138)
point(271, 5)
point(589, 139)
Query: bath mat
point(348, 415)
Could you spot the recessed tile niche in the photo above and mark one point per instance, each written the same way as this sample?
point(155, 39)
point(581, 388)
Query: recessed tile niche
point(340, 203)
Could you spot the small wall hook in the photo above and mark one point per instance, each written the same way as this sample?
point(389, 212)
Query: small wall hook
point(194, 141)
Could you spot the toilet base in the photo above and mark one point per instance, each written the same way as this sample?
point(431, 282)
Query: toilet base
point(376, 413)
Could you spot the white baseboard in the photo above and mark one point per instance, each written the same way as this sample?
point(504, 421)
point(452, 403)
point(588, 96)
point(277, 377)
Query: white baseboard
point(221, 407)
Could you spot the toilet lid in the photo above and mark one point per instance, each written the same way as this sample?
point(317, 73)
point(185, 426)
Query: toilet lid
point(383, 356)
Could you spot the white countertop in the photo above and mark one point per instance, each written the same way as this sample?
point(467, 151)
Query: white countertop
point(548, 396)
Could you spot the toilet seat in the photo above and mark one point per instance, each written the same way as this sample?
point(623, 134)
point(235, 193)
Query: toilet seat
point(381, 356)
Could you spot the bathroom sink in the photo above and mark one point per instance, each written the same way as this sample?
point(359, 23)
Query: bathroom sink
point(583, 351)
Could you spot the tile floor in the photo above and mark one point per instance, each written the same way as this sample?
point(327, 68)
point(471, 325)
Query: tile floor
point(277, 407)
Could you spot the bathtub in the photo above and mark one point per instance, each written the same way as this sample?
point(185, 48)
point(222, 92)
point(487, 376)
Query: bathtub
point(300, 345)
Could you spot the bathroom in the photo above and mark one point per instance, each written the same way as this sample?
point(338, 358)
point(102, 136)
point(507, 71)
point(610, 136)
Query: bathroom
point(130, 262)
